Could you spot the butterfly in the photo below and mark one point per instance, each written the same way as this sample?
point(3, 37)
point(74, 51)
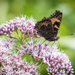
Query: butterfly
point(48, 27)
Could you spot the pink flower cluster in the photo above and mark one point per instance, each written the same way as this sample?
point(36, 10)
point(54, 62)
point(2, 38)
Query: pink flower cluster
point(12, 64)
point(58, 62)
point(25, 26)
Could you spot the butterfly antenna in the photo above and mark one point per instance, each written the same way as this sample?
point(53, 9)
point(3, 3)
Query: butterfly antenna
point(60, 31)
point(52, 43)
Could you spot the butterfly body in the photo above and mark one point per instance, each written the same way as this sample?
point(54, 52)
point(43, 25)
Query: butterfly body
point(48, 27)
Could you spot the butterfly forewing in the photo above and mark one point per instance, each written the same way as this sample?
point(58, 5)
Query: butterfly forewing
point(48, 27)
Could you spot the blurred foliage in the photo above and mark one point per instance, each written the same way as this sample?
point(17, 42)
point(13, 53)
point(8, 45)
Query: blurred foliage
point(9, 9)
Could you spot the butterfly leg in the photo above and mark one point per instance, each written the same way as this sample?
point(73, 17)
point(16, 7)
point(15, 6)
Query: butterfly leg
point(43, 42)
point(52, 43)
point(59, 44)
point(48, 42)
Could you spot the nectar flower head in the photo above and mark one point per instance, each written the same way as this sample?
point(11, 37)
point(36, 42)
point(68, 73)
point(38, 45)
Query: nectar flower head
point(24, 25)
point(13, 64)
point(58, 62)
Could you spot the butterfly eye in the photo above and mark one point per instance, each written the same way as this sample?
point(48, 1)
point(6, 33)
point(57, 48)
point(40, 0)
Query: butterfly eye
point(56, 38)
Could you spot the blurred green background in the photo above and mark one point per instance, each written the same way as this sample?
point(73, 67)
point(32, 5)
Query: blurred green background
point(38, 9)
